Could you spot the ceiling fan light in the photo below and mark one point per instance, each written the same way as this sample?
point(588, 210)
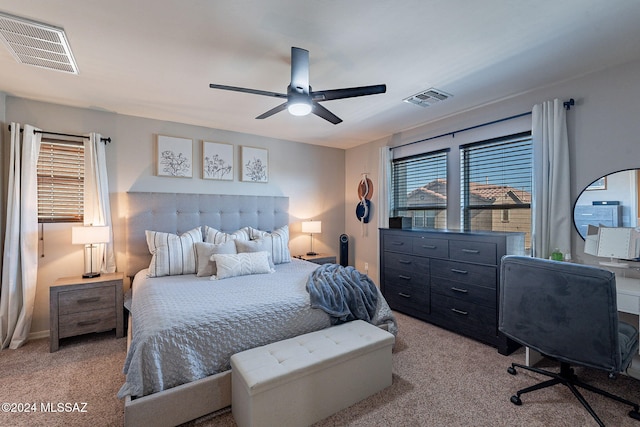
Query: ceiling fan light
point(299, 108)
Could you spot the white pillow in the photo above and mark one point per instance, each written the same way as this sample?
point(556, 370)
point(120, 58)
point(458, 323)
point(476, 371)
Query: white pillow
point(205, 266)
point(212, 235)
point(276, 242)
point(257, 245)
point(231, 265)
point(172, 254)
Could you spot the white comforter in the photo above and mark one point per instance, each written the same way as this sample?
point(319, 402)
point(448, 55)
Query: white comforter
point(187, 327)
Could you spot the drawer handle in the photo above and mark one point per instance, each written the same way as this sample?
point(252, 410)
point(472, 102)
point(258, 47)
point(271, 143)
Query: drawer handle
point(401, 276)
point(89, 322)
point(462, 291)
point(397, 243)
point(455, 310)
point(88, 300)
point(471, 251)
point(403, 295)
point(455, 270)
point(404, 261)
point(587, 214)
point(429, 246)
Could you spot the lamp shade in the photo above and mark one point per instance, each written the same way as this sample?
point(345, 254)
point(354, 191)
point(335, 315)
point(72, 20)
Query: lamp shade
point(312, 227)
point(90, 235)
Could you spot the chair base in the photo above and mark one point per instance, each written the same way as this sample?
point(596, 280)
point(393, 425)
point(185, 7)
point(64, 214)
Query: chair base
point(567, 377)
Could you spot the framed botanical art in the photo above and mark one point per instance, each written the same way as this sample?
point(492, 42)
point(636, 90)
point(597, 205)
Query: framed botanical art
point(255, 164)
point(217, 161)
point(174, 156)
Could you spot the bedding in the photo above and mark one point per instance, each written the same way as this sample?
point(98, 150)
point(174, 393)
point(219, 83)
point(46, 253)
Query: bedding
point(187, 327)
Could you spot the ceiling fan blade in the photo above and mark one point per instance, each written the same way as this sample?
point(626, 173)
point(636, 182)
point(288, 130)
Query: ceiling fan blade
point(245, 90)
point(300, 70)
point(328, 95)
point(273, 111)
point(320, 111)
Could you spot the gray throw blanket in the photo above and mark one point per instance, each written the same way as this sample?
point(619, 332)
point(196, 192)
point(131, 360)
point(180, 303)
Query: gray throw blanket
point(343, 292)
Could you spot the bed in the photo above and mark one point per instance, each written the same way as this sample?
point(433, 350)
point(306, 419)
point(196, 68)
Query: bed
point(184, 327)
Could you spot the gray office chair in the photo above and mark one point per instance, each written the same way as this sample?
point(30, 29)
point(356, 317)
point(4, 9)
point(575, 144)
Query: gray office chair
point(567, 312)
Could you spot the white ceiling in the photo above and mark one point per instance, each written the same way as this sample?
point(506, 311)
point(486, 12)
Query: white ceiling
point(156, 58)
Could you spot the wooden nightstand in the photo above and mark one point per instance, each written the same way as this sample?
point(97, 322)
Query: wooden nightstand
point(319, 258)
point(80, 306)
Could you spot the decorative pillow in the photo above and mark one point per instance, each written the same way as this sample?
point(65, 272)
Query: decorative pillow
point(257, 245)
point(172, 254)
point(204, 264)
point(231, 265)
point(277, 242)
point(212, 235)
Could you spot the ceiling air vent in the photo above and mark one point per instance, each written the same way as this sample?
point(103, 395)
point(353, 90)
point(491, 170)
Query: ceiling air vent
point(37, 44)
point(428, 97)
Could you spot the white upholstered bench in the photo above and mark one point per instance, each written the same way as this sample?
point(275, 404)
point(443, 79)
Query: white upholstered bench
point(301, 380)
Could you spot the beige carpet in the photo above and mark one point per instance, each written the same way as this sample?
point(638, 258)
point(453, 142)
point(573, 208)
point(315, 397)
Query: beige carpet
point(439, 379)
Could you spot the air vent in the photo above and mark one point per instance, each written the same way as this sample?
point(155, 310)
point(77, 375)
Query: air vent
point(428, 97)
point(37, 44)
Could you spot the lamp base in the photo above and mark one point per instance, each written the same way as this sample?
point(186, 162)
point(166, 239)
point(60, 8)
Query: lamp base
point(90, 275)
point(312, 253)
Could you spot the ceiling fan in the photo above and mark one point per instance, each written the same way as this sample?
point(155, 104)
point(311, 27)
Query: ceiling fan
point(301, 100)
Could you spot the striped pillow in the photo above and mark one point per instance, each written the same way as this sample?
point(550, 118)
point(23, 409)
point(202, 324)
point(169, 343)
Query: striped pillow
point(213, 235)
point(172, 254)
point(276, 242)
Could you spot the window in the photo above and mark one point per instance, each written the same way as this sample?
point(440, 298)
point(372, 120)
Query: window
point(496, 178)
point(60, 181)
point(419, 185)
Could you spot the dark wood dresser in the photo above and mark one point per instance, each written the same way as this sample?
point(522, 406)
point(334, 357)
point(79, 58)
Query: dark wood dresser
point(448, 278)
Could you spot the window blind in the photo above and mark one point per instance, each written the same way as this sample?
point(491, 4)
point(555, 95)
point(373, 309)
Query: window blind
point(496, 179)
point(60, 181)
point(420, 188)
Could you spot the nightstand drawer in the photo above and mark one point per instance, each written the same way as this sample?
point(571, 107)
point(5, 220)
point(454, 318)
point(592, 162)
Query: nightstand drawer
point(82, 300)
point(83, 323)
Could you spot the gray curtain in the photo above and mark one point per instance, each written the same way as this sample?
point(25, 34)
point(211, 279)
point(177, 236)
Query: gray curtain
point(551, 204)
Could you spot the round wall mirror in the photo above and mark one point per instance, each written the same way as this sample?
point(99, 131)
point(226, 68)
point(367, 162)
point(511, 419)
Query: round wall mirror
point(611, 201)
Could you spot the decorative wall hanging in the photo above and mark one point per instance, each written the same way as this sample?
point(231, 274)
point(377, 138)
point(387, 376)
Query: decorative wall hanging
point(217, 161)
point(174, 156)
point(363, 209)
point(255, 164)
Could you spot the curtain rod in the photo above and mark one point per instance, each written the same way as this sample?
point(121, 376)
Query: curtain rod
point(567, 106)
point(105, 140)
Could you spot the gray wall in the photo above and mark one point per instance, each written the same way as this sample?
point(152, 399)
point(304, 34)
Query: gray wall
point(604, 136)
point(311, 176)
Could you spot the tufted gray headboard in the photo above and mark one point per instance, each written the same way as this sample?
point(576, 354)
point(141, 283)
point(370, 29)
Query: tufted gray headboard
point(180, 212)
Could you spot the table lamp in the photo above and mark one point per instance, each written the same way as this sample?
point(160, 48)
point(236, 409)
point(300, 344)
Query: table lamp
point(312, 227)
point(90, 237)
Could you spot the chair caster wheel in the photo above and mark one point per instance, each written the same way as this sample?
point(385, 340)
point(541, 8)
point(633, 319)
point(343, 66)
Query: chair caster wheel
point(635, 415)
point(516, 400)
point(511, 370)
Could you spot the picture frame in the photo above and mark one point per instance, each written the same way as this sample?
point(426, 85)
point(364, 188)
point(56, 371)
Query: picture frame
point(174, 157)
point(255, 164)
point(217, 161)
point(599, 184)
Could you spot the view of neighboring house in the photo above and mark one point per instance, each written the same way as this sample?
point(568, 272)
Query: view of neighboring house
point(493, 207)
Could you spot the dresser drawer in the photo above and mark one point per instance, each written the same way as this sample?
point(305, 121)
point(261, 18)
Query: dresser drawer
point(85, 322)
point(473, 294)
point(464, 317)
point(480, 252)
point(397, 243)
point(426, 246)
point(404, 262)
point(82, 300)
point(406, 298)
point(471, 274)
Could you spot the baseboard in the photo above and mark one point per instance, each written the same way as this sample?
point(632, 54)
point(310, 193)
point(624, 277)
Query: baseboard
point(38, 335)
